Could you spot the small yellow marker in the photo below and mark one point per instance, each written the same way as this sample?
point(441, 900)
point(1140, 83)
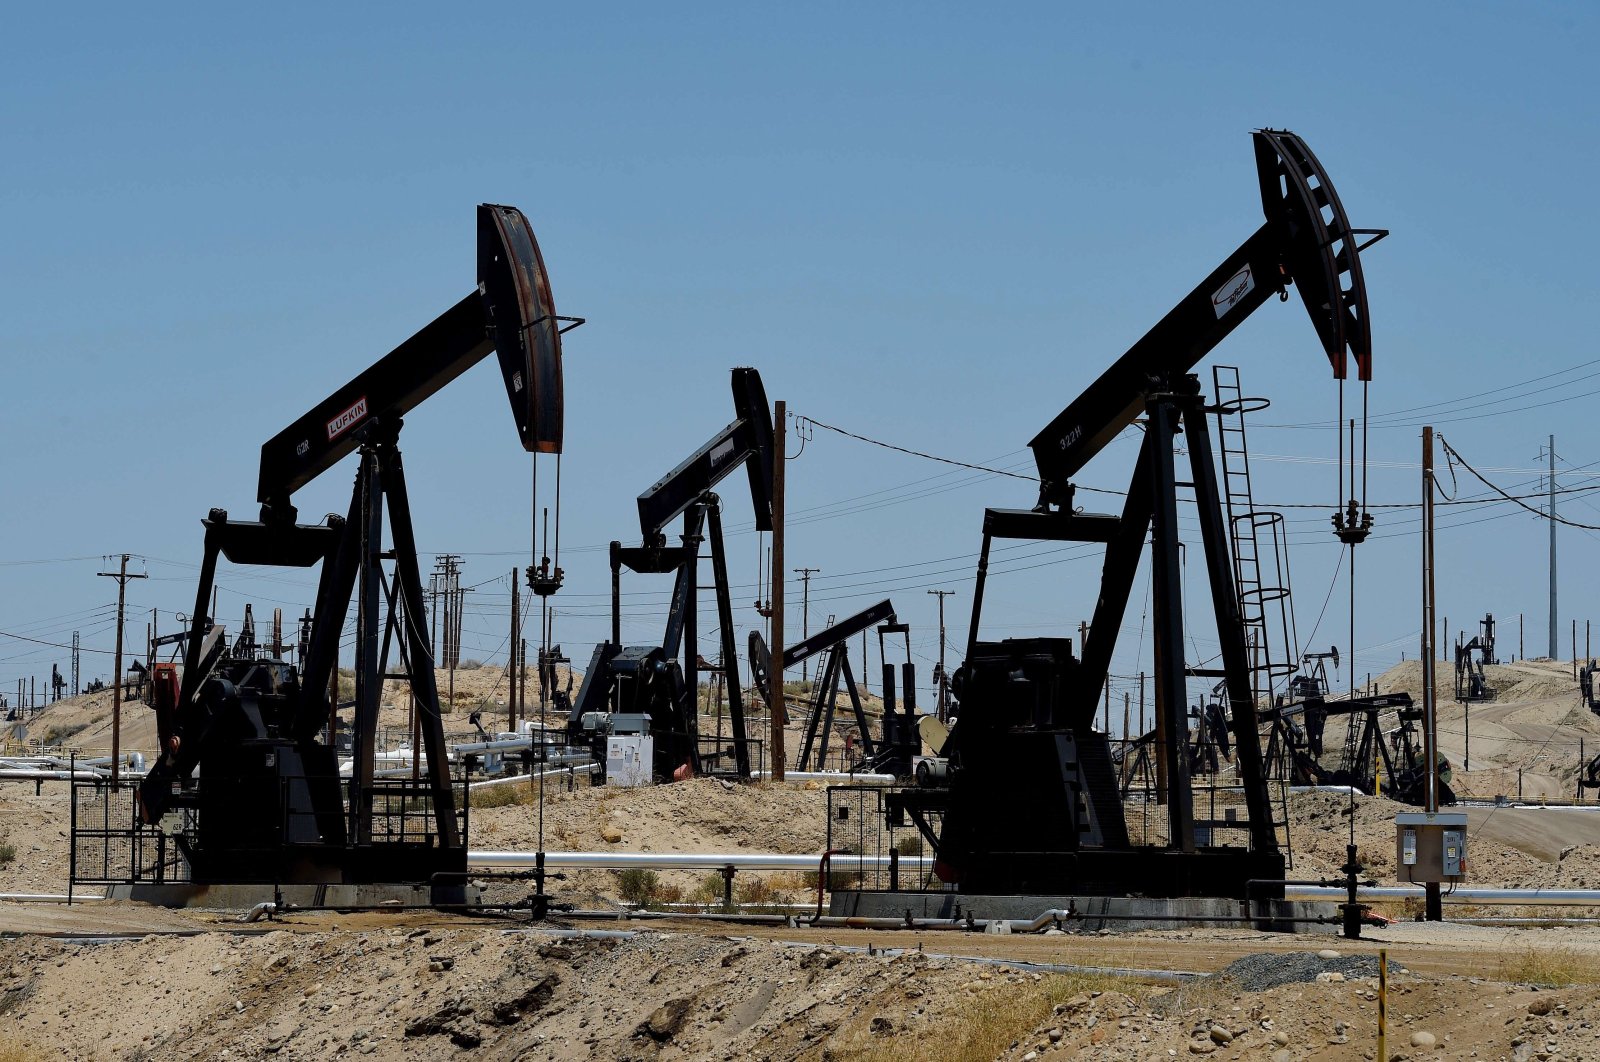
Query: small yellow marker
point(1383, 1005)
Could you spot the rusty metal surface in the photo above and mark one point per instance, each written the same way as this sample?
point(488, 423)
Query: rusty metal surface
point(1319, 246)
point(527, 334)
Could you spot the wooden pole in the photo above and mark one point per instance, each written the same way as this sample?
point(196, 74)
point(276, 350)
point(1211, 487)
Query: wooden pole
point(776, 756)
point(1430, 749)
point(1432, 901)
point(122, 577)
point(515, 644)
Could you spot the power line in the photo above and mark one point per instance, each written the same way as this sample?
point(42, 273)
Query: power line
point(1456, 455)
point(53, 645)
point(914, 453)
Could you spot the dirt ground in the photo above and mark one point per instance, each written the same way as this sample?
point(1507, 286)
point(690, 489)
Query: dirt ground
point(321, 986)
point(390, 987)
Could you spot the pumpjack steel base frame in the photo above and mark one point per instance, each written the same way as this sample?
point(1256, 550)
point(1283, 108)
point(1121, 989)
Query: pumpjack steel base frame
point(1025, 736)
point(270, 803)
point(269, 799)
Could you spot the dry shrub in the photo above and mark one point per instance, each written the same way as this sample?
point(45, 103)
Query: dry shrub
point(708, 891)
point(637, 885)
point(909, 845)
point(15, 1052)
point(8, 852)
point(838, 880)
point(977, 1028)
point(757, 891)
point(1549, 968)
point(501, 796)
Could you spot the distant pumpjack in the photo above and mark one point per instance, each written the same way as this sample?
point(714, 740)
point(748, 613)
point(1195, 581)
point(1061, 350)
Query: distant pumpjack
point(662, 681)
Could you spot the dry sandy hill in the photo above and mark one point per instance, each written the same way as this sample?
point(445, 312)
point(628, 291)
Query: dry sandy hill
point(322, 989)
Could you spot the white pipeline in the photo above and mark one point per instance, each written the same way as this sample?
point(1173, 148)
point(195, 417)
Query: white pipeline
point(830, 777)
point(692, 861)
point(566, 770)
point(40, 775)
point(1460, 894)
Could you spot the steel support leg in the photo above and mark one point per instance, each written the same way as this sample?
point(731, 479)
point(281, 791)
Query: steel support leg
point(369, 683)
point(423, 683)
point(869, 748)
point(1167, 604)
point(730, 645)
point(334, 589)
point(1230, 632)
point(1116, 584)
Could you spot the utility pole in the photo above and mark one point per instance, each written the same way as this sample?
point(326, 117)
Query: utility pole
point(805, 615)
point(75, 687)
point(944, 677)
point(1551, 487)
point(446, 582)
point(122, 577)
point(1141, 704)
point(775, 600)
point(1430, 738)
point(515, 644)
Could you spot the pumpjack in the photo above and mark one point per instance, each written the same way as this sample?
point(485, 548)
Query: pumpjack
point(1209, 744)
point(894, 750)
point(661, 682)
point(248, 774)
point(1024, 739)
point(1472, 684)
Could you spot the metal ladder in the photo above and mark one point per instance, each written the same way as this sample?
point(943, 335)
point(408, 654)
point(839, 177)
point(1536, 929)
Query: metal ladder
point(1260, 572)
point(1258, 538)
point(816, 700)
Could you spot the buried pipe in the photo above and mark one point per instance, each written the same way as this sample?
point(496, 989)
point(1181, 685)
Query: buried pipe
point(1054, 918)
point(1472, 895)
point(576, 934)
point(1021, 966)
point(1550, 920)
point(44, 897)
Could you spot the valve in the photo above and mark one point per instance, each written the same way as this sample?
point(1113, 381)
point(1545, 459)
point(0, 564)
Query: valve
point(1352, 526)
point(544, 579)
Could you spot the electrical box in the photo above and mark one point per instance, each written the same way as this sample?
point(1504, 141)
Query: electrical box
point(1455, 852)
point(1431, 847)
point(629, 758)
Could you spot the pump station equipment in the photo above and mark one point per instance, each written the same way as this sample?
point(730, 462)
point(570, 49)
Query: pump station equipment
point(1431, 848)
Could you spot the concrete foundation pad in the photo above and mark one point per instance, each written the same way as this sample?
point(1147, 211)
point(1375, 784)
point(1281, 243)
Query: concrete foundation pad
point(244, 897)
point(1118, 914)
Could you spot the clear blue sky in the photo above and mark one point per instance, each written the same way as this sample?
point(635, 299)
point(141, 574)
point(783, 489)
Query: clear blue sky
point(931, 224)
